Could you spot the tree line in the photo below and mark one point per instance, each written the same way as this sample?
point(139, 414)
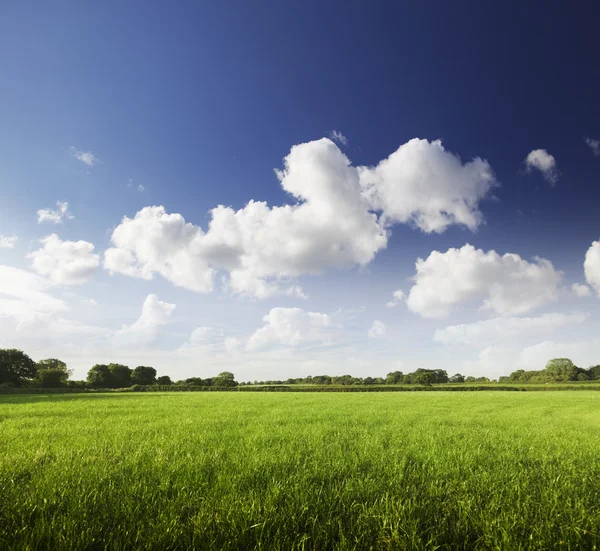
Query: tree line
point(17, 369)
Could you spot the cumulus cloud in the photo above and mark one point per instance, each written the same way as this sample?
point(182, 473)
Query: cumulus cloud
point(581, 290)
point(339, 219)
point(424, 185)
point(56, 216)
point(146, 329)
point(24, 294)
point(210, 339)
point(541, 160)
point(337, 136)
point(591, 266)
point(397, 297)
point(594, 145)
point(65, 262)
point(505, 329)
point(291, 326)
point(507, 285)
point(378, 330)
point(86, 157)
point(8, 241)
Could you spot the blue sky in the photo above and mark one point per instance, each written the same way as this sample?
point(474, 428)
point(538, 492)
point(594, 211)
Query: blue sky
point(199, 104)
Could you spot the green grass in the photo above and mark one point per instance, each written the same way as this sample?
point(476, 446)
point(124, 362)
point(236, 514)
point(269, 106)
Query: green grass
point(472, 470)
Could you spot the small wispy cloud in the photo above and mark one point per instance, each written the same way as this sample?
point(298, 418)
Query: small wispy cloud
point(397, 298)
point(541, 160)
point(56, 216)
point(337, 136)
point(86, 157)
point(594, 146)
point(378, 330)
point(8, 241)
point(141, 188)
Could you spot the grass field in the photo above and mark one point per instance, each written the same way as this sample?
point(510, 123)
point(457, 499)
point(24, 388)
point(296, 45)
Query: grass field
point(472, 470)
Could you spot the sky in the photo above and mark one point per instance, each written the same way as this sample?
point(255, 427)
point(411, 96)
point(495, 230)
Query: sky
point(282, 189)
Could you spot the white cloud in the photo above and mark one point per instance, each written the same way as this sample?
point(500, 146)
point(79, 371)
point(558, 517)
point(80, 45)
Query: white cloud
point(591, 266)
point(8, 241)
point(210, 340)
point(594, 146)
point(332, 224)
point(146, 329)
point(378, 330)
point(337, 136)
point(65, 262)
point(141, 188)
point(424, 185)
point(541, 160)
point(499, 330)
point(55, 216)
point(86, 157)
point(291, 326)
point(397, 297)
point(581, 290)
point(507, 285)
point(24, 295)
point(90, 302)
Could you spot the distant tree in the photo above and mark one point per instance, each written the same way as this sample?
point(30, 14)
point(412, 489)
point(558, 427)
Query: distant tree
point(164, 380)
point(196, 381)
point(368, 381)
point(143, 375)
point(425, 377)
point(16, 367)
point(379, 381)
point(470, 379)
point(561, 369)
point(225, 379)
point(121, 375)
point(394, 378)
point(594, 373)
point(100, 376)
point(52, 373)
point(457, 378)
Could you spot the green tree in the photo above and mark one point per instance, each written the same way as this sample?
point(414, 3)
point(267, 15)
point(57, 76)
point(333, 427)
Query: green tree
point(100, 376)
point(225, 379)
point(367, 381)
point(121, 375)
point(16, 367)
point(457, 378)
point(52, 373)
point(594, 373)
point(143, 375)
point(561, 369)
point(394, 378)
point(164, 380)
point(424, 377)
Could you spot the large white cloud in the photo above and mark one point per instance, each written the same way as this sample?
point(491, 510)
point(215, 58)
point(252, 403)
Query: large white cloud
point(540, 159)
point(499, 330)
point(335, 222)
point(291, 326)
point(65, 262)
point(24, 294)
point(507, 285)
point(423, 184)
point(146, 329)
point(591, 266)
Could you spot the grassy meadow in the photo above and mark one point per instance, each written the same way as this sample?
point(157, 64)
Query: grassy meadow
point(441, 470)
